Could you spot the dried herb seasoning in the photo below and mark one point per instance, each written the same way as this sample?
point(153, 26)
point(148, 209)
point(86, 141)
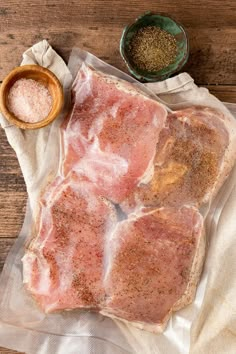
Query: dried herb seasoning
point(152, 48)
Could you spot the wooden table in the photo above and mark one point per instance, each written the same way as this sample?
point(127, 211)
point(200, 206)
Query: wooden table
point(96, 26)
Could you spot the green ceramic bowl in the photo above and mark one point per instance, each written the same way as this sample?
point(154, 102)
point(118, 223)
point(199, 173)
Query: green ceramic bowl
point(166, 23)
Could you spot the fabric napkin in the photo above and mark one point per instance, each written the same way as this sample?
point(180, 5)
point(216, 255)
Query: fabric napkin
point(29, 145)
point(214, 328)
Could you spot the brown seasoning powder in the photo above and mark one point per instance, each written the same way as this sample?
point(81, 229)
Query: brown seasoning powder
point(152, 49)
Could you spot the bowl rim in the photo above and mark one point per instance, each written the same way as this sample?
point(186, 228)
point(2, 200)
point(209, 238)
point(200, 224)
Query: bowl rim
point(155, 77)
point(42, 71)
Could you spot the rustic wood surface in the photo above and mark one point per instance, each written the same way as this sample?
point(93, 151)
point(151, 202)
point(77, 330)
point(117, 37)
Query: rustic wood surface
point(96, 26)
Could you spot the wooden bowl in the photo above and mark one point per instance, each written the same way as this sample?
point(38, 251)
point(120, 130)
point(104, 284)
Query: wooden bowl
point(44, 77)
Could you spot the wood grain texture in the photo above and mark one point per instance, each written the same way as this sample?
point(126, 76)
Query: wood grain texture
point(225, 93)
point(96, 25)
point(8, 351)
point(12, 191)
point(5, 246)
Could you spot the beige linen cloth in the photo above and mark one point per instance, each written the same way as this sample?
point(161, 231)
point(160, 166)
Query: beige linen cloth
point(214, 329)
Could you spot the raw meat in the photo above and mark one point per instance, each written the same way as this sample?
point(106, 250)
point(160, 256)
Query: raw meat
point(118, 147)
point(188, 166)
point(63, 264)
point(154, 263)
point(111, 134)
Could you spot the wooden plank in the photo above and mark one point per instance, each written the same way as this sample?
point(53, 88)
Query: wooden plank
point(102, 13)
point(12, 210)
point(212, 56)
point(11, 178)
point(8, 351)
point(223, 92)
point(12, 191)
point(95, 26)
point(5, 246)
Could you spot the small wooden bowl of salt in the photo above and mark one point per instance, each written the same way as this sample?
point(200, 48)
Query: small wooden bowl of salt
point(31, 97)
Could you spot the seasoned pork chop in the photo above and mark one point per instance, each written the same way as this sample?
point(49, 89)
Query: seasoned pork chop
point(111, 134)
point(63, 264)
point(154, 261)
point(188, 166)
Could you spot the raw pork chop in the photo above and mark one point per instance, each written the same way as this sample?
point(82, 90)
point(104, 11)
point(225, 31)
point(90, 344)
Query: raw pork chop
point(63, 264)
point(111, 133)
point(191, 160)
point(154, 265)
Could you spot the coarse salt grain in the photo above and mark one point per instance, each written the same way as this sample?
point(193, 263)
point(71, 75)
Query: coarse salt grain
point(29, 100)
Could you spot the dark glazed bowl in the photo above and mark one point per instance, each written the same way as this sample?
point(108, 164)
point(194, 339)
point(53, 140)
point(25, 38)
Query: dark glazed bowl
point(169, 25)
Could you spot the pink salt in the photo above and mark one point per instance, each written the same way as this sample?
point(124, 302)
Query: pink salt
point(29, 100)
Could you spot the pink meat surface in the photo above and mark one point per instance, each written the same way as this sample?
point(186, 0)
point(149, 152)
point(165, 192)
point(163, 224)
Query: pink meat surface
point(189, 162)
point(63, 264)
point(118, 146)
point(154, 262)
point(111, 134)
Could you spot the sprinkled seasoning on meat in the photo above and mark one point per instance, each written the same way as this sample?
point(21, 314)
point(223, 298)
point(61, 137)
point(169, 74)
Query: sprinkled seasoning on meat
point(188, 160)
point(118, 147)
point(63, 265)
point(111, 134)
point(151, 258)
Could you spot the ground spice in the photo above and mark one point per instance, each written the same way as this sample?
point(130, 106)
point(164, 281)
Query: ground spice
point(152, 48)
point(29, 100)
